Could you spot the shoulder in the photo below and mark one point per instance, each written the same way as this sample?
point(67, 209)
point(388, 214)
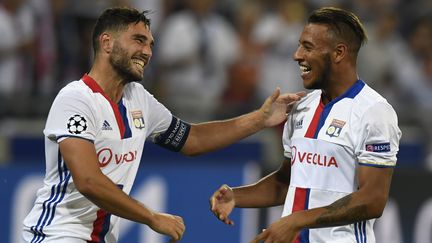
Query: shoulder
point(136, 92)
point(372, 112)
point(77, 89)
point(312, 98)
point(136, 89)
point(76, 94)
point(370, 101)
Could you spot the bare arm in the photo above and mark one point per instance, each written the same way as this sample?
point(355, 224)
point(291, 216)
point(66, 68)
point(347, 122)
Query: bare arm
point(210, 136)
point(366, 203)
point(269, 191)
point(80, 157)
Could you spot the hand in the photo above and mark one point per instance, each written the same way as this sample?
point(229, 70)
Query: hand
point(277, 106)
point(282, 231)
point(222, 203)
point(168, 224)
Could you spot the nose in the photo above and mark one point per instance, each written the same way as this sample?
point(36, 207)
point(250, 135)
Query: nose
point(297, 56)
point(147, 51)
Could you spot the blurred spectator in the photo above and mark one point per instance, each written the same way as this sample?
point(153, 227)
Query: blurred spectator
point(420, 37)
point(411, 73)
point(16, 47)
point(371, 10)
point(75, 23)
point(378, 58)
point(45, 47)
point(315, 4)
point(411, 11)
point(159, 10)
point(278, 34)
point(195, 48)
point(240, 93)
point(206, 68)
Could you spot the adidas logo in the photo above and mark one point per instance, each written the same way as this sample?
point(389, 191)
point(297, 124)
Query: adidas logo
point(299, 124)
point(106, 126)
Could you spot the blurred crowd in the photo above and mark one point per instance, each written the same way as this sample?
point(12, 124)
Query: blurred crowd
point(216, 59)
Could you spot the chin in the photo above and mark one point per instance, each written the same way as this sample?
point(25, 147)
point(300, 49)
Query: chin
point(132, 78)
point(307, 84)
point(135, 75)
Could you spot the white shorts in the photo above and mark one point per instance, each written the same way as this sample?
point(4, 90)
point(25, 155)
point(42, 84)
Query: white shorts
point(28, 237)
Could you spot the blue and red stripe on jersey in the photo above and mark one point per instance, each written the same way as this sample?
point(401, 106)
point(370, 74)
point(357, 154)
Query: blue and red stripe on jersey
point(322, 111)
point(101, 225)
point(301, 203)
point(120, 117)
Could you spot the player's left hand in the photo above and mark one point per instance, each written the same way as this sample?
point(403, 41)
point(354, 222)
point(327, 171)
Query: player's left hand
point(277, 106)
point(282, 231)
point(222, 203)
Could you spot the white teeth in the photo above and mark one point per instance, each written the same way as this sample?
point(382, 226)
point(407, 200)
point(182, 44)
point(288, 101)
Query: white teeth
point(304, 69)
point(139, 62)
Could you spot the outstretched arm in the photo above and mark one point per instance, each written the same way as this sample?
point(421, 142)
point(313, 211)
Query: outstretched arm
point(269, 191)
point(366, 203)
point(210, 136)
point(80, 157)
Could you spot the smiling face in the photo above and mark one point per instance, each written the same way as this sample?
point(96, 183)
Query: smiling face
point(131, 52)
point(314, 56)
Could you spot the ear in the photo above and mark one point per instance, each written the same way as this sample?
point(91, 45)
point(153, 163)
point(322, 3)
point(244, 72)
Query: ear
point(340, 52)
point(106, 41)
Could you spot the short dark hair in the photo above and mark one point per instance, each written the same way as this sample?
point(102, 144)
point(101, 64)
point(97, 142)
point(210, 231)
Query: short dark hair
point(344, 24)
point(117, 19)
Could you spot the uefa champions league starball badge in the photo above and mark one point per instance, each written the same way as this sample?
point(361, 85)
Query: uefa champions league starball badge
point(77, 124)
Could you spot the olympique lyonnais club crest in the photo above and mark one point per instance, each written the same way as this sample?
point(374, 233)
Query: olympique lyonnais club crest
point(77, 124)
point(138, 119)
point(335, 128)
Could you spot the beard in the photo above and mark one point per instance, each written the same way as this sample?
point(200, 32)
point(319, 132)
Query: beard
point(324, 77)
point(122, 64)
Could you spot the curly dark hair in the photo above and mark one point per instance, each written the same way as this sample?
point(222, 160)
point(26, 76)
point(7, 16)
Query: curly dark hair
point(117, 19)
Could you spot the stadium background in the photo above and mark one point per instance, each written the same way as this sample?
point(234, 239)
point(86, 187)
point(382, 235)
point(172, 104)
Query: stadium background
point(236, 52)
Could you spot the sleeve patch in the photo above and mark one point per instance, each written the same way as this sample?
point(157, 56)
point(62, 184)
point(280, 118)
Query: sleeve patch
point(175, 136)
point(378, 147)
point(77, 124)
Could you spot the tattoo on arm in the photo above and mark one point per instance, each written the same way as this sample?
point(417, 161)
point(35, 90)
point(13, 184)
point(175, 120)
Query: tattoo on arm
point(341, 213)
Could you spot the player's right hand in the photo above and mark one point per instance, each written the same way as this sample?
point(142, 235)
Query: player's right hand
point(222, 203)
point(168, 224)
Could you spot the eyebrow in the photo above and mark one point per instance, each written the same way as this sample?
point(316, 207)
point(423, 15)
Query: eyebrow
point(143, 37)
point(306, 43)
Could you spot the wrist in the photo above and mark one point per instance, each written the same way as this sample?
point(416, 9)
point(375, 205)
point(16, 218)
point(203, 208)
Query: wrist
point(297, 220)
point(150, 218)
point(259, 118)
point(231, 191)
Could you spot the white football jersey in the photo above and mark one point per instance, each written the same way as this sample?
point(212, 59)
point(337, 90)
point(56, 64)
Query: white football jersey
point(326, 144)
point(118, 131)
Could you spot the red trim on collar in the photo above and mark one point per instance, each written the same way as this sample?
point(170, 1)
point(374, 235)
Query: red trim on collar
point(91, 83)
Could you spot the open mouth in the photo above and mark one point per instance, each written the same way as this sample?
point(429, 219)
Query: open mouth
point(305, 69)
point(139, 63)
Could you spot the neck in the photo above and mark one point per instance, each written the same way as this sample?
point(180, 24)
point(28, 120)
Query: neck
point(338, 84)
point(108, 79)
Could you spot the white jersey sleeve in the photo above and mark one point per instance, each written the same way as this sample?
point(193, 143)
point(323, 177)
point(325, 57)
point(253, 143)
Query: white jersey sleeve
point(70, 116)
point(379, 136)
point(286, 137)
